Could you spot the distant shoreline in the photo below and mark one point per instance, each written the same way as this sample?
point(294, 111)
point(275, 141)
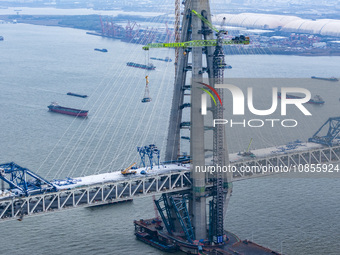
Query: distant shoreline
point(92, 23)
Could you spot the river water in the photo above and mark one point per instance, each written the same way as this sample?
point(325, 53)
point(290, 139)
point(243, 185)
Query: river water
point(41, 64)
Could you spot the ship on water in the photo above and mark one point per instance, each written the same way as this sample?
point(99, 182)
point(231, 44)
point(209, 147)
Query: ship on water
point(55, 107)
point(325, 79)
point(101, 50)
point(316, 100)
point(148, 67)
point(167, 59)
point(154, 232)
point(75, 95)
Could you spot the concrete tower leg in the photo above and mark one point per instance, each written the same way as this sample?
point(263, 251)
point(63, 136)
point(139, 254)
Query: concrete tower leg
point(173, 141)
point(199, 208)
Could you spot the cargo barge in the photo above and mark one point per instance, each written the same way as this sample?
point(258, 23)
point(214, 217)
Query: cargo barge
point(316, 100)
point(148, 67)
point(75, 95)
point(150, 240)
point(167, 59)
point(325, 79)
point(101, 50)
point(54, 107)
point(154, 233)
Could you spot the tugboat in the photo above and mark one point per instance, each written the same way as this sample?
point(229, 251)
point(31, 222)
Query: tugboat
point(55, 107)
point(316, 100)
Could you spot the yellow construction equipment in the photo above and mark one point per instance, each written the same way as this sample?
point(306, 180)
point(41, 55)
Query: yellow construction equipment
point(127, 171)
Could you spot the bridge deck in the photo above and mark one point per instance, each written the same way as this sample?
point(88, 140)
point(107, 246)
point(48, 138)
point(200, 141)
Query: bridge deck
point(114, 187)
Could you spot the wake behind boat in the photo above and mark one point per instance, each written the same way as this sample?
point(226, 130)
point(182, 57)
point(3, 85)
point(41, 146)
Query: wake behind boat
point(55, 107)
point(316, 100)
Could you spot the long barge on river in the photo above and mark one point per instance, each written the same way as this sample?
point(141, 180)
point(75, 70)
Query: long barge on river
point(55, 107)
point(153, 232)
point(325, 79)
point(137, 65)
point(76, 95)
point(166, 59)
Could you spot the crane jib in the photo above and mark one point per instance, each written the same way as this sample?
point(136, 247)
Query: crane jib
point(196, 43)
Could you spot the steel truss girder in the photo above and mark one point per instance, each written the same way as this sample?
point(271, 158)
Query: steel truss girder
point(320, 155)
point(93, 195)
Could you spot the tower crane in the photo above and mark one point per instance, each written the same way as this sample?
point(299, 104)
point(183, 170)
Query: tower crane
point(201, 43)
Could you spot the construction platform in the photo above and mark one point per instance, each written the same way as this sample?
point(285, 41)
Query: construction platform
point(153, 232)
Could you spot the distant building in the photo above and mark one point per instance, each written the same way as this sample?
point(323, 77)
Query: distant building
point(293, 24)
point(334, 44)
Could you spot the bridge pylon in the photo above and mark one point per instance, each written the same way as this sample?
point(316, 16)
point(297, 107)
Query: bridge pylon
point(196, 26)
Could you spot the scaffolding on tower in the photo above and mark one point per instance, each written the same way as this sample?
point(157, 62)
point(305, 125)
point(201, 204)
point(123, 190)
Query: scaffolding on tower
point(177, 29)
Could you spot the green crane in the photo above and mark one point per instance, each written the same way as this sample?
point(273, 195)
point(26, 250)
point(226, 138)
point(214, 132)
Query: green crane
point(201, 43)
